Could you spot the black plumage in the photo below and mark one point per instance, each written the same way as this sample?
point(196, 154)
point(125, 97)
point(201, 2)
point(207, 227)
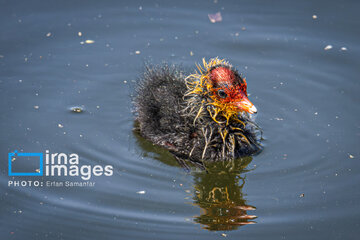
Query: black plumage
point(175, 112)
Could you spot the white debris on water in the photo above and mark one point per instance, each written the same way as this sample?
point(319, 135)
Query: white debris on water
point(328, 47)
point(215, 17)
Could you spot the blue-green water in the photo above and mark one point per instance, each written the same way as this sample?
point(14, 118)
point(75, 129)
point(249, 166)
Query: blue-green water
point(304, 185)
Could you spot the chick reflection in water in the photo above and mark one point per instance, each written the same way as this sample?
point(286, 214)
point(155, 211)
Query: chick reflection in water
point(218, 192)
point(217, 189)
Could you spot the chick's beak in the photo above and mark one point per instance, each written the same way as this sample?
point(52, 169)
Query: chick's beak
point(245, 105)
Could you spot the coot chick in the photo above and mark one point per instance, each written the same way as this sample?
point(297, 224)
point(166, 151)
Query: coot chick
point(204, 116)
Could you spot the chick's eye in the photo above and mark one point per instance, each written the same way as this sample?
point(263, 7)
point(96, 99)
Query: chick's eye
point(222, 93)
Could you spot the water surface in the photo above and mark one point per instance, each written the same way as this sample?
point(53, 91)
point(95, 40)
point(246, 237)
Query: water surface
point(304, 185)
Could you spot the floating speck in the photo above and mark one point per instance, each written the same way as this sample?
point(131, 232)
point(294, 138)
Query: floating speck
point(343, 49)
point(79, 34)
point(316, 113)
point(223, 235)
point(97, 107)
point(36, 107)
point(82, 42)
point(191, 53)
point(215, 17)
point(351, 156)
point(125, 81)
point(77, 109)
point(20, 81)
point(328, 47)
point(37, 170)
point(140, 8)
point(60, 125)
point(81, 135)
point(302, 195)
point(88, 41)
point(137, 52)
point(243, 28)
point(141, 192)
point(48, 34)
point(314, 16)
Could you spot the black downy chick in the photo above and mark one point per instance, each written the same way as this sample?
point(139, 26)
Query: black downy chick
point(200, 117)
